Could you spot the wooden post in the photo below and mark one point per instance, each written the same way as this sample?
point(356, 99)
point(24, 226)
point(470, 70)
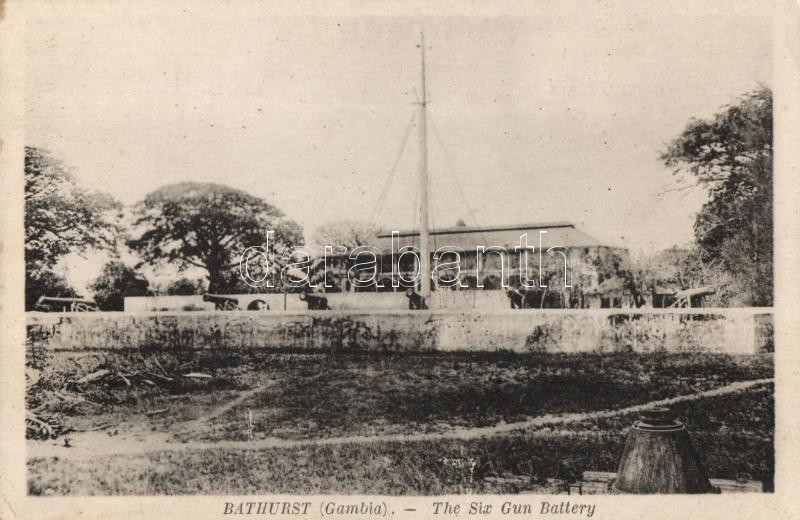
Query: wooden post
point(424, 232)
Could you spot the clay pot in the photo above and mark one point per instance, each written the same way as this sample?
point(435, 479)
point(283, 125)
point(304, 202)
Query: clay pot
point(659, 458)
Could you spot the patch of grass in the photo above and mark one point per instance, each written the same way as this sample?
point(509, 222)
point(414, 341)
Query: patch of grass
point(390, 468)
point(365, 394)
point(418, 467)
point(333, 393)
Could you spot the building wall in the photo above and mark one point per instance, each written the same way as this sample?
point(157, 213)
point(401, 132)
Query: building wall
point(588, 268)
point(733, 331)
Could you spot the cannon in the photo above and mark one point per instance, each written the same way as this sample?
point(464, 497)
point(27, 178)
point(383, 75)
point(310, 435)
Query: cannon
point(533, 298)
point(57, 304)
point(416, 302)
point(222, 303)
point(315, 302)
point(693, 297)
point(517, 299)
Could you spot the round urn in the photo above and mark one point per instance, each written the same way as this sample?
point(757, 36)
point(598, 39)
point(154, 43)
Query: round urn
point(659, 458)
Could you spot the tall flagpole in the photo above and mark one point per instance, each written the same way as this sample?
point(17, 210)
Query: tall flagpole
point(424, 233)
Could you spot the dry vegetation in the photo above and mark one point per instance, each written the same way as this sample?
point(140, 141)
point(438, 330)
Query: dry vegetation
point(322, 395)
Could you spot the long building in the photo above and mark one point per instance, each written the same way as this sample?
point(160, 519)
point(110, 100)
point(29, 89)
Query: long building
point(489, 259)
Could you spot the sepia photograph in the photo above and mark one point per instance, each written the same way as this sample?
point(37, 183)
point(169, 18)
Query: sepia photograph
point(273, 253)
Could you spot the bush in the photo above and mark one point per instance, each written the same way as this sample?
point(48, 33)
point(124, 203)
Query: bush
point(117, 281)
point(186, 287)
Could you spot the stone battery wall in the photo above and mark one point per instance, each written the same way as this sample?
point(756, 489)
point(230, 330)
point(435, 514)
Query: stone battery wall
point(734, 331)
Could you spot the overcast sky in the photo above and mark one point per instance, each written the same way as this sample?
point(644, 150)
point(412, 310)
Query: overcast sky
point(559, 115)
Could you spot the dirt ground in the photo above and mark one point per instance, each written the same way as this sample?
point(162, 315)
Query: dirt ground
point(157, 421)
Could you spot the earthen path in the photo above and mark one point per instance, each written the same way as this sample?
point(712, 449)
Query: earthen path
point(98, 443)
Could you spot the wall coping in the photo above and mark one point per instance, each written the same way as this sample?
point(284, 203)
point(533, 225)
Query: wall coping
point(33, 316)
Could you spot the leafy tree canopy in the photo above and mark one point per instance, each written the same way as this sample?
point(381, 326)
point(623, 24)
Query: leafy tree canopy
point(731, 155)
point(209, 226)
point(60, 216)
point(348, 233)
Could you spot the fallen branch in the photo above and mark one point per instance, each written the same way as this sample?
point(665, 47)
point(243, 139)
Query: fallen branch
point(38, 428)
point(74, 398)
point(197, 375)
point(94, 376)
point(98, 427)
point(159, 376)
point(155, 360)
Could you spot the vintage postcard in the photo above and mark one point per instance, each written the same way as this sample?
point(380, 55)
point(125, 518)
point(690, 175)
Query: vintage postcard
point(359, 260)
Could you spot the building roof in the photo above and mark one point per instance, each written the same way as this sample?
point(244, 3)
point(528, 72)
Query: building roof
point(467, 238)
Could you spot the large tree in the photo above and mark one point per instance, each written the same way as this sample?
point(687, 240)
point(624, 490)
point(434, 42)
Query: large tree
point(731, 155)
point(60, 217)
point(349, 234)
point(209, 226)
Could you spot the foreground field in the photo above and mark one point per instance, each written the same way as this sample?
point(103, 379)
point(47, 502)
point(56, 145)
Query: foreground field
point(308, 398)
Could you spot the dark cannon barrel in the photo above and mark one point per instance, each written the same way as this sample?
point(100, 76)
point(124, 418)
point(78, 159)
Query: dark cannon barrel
point(416, 301)
point(314, 302)
point(63, 304)
point(222, 303)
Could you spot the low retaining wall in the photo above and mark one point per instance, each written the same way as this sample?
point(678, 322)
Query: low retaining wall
point(734, 331)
